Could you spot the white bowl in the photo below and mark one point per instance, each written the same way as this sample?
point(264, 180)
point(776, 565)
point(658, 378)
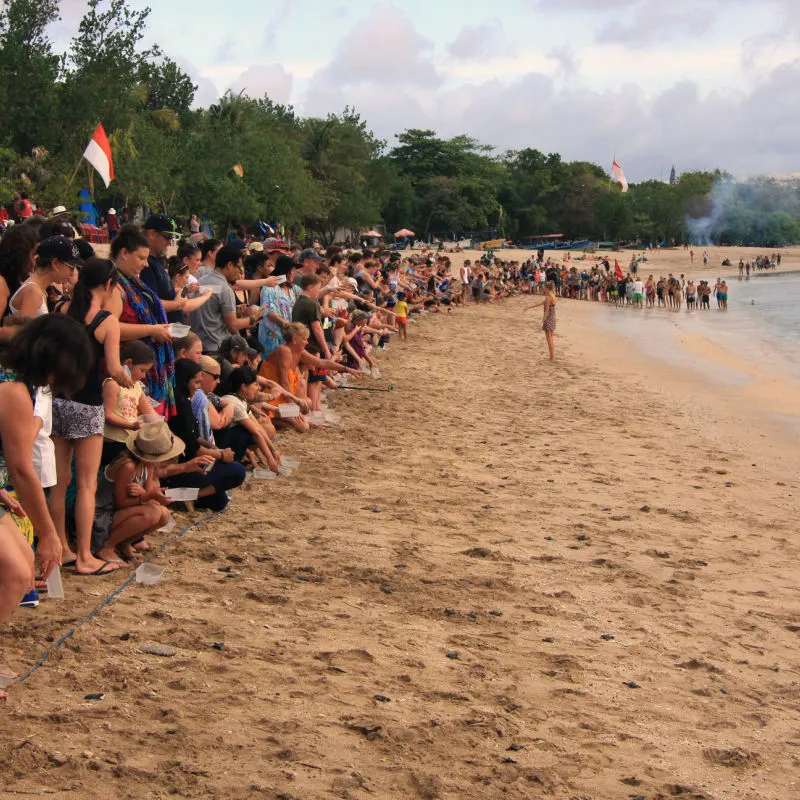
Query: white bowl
point(178, 330)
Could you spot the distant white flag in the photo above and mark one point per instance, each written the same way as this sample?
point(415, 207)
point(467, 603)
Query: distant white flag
point(619, 176)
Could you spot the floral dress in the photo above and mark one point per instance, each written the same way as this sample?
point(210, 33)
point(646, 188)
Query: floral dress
point(277, 301)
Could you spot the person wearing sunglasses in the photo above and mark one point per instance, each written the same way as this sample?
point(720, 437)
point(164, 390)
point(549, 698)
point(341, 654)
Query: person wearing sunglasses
point(57, 258)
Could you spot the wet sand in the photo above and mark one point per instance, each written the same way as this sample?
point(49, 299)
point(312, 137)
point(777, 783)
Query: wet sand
point(507, 578)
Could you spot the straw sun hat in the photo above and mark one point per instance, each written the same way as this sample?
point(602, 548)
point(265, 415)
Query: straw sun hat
point(154, 442)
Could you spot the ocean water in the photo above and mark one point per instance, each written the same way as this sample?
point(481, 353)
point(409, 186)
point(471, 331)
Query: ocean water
point(762, 325)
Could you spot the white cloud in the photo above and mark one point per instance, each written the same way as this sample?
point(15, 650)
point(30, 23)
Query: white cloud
point(265, 79)
point(748, 129)
point(384, 47)
point(476, 41)
point(207, 92)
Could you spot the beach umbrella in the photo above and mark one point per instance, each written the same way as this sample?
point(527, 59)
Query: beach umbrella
point(372, 234)
point(403, 233)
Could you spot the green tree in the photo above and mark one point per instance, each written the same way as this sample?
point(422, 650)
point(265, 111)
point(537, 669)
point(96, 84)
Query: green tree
point(168, 87)
point(28, 72)
point(343, 156)
point(102, 72)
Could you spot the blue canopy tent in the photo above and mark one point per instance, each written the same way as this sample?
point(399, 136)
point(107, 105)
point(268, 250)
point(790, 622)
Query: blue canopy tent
point(89, 212)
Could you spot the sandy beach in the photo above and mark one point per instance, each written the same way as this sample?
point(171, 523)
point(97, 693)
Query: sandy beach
point(506, 578)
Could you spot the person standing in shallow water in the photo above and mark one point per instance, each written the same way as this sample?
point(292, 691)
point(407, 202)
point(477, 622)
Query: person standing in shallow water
point(549, 316)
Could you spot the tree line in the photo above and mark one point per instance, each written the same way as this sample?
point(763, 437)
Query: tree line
point(316, 176)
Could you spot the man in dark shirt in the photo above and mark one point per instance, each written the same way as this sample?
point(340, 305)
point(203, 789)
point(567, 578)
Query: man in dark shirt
point(160, 231)
point(307, 310)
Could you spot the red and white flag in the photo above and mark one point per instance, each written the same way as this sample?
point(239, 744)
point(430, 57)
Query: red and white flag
point(619, 176)
point(98, 154)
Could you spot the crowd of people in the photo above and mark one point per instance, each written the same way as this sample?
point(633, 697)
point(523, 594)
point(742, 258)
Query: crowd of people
point(134, 381)
point(597, 282)
point(131, 382)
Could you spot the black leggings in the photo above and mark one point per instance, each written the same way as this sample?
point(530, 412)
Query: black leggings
point(239, 439)
point(223, 477)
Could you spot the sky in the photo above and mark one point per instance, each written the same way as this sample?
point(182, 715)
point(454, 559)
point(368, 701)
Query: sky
point(699, 84)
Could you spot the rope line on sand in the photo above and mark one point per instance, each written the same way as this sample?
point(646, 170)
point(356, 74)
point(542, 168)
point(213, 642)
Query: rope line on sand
point(116, 593)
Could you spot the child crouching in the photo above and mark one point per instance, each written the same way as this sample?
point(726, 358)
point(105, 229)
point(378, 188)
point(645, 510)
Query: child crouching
point(130, 502)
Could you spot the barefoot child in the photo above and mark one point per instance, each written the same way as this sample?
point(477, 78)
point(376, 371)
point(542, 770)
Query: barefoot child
point(401, 316)
point(130, 501)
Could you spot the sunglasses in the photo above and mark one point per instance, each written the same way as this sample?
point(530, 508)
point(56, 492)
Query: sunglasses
point(215, 375)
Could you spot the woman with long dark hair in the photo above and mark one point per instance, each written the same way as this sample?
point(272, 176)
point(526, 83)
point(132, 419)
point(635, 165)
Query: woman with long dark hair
point(50, 351)
point(78, 422)
point(141, 314)
point(17, 260)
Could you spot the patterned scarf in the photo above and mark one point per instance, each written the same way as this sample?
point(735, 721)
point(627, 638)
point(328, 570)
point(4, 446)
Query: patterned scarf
point(148, 310)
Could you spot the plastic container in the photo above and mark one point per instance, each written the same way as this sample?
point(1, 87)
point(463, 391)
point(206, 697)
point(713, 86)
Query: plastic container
point(263, 475)
point(55, 589)
point(178, 330)
point(182, 495)
point(169, 527)
point(149, 574)
point(292, 463)
point(289, 410)
point(284, 471)
point(7, 676)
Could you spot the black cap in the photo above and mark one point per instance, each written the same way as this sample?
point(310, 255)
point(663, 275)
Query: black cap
point(161, 223)
point(61, 248)
point(239, 343)
point(239, 244)
point(85, 250)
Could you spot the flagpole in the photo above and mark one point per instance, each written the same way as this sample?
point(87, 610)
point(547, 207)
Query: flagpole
point(74, 174)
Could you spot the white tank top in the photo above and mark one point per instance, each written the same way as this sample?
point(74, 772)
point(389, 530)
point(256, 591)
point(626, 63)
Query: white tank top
point(14, 311)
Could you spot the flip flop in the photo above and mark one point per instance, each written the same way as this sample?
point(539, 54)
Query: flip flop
point(70, 563)
point(101, 570)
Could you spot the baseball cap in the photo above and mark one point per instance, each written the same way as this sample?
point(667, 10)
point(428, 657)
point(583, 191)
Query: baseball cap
point(239, 343)
point(161, 223)
point(112, 210)
point(85, 250)
point(61, 248)
point(310, 253)
point(255, 247)
point(238, 244)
